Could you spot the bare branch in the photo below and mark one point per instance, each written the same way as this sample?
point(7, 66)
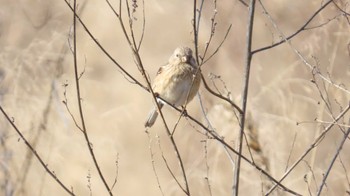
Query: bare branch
point(220, 96)
point(153, 163)
point(195, 30)
point(207, 166)
point(105, 51)
point(65, 102)
point(93, 156)
point(143, 25)
point(45, 166)
point(333, 161)
point(229, 156)
point(116, 172)
point(340, 9)
point(313, 145)
point(311, 67)
point(218, 48)
point(302, 28)
point(324, 23)
point(244, 3)
point(169, 169)
point(134, 49)
point(248, 59)
point(345, 170)
point(212, 30)
point(223, 142)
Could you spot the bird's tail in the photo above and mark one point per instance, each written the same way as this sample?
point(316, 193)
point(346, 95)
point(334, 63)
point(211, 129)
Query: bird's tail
point(152, 117)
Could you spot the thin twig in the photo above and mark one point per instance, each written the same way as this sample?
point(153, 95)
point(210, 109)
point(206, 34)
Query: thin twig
point(105, 51)
point(65, 102)
point(311, 176)
point(311, 67)
point(332, 162)
point(206, 143)
point(143, 25)
point(135, 53)
point(248, 60)
point(207, 166)
point(211, 128)
point(116, 172)
point(81, 113)
point(326, 103)
point(34, 141)
point(341, 10)
point(187, 191)
point(168, 167)
point(133, 40)
point(195, 30)
point(212, 29)
point(324, 122)
point(199, 16)
point(345, 171)
point(223, 142)
point(219, 46)
point(291, 151)
point(313, 145)
point(220, 96)
point(153, 163)
point(324, 23)
point(45, 166)
point(134, 48)
point(188, 116)
point(244, 3)
point(203, 60)
point(302, 28)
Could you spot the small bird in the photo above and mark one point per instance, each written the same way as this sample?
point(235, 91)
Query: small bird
point(177, 82)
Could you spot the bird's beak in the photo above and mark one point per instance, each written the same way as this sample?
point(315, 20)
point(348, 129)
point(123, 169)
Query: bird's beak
point(184, 59)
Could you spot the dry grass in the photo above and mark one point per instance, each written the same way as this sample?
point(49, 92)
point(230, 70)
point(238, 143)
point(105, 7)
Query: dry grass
point(35, 62)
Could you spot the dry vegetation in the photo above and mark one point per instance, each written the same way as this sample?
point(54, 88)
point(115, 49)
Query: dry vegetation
point(296, 91)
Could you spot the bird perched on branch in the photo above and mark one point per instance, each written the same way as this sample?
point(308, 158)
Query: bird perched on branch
point(176, 82)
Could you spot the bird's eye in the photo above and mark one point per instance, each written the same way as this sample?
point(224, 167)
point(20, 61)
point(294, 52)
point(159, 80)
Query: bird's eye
point(177, 55)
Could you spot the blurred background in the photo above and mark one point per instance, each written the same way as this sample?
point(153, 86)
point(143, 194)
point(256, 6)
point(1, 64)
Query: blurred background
point(284, 105)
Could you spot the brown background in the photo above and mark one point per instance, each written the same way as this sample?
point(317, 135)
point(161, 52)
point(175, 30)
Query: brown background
point(34, 38)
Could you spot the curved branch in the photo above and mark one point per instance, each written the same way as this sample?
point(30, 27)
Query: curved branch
point(220, 96)
point(302, 28)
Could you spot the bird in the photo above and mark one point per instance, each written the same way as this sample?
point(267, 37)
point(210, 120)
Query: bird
point(177, 82)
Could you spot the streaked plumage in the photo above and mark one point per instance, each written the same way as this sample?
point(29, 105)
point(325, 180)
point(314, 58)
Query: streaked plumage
point(173, 81)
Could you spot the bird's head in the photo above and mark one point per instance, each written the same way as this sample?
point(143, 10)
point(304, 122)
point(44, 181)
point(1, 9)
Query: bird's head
point(182, 55)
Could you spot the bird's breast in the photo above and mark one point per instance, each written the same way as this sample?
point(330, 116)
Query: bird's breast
point(174, 83)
